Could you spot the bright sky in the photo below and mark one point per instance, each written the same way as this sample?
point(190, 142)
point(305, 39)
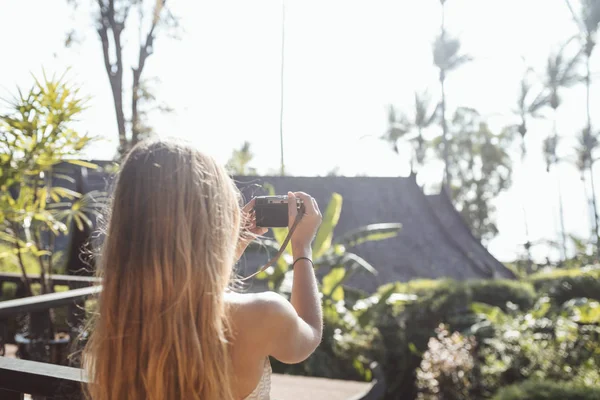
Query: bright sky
point(345, 61)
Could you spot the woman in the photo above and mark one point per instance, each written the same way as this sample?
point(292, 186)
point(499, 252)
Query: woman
point(168, 327)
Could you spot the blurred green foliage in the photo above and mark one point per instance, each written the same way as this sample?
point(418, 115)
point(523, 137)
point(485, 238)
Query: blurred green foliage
point(548, 390)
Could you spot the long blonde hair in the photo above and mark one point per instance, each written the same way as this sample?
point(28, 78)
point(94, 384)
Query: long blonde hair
point(161, 331)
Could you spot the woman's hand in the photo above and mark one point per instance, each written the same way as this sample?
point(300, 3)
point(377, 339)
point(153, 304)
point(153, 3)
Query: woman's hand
point(249, 230)
point(307, 227)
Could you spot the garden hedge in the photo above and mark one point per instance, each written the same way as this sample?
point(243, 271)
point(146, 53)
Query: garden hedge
point(547, 390)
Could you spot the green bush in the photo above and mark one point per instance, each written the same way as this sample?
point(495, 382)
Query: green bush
point(548, 390)
point(549, 347)
point(564, 285)
point(407, 324)
point(513, 332)
point(501, 293)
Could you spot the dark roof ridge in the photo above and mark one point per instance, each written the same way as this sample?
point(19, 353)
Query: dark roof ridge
point(416, 192)
point(445, 197)
point(452, 240)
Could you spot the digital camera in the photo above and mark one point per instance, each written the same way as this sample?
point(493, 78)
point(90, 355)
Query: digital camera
point(272, 211)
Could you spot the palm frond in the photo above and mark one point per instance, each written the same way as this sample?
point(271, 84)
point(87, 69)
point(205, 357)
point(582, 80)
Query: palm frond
point(368, 233)
point(446, 53)
point(424, 115)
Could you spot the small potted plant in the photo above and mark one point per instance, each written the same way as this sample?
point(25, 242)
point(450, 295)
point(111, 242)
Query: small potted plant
point(35, 208)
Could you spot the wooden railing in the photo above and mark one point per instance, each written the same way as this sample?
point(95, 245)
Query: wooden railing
point(43, 302)
point(20, 377)
point(43, 380)
point(72, 281)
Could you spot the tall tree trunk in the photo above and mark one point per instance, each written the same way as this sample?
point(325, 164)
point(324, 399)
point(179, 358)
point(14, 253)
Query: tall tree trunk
point(447, 175)
point(562, 217)
point(145, 51)
point(114, 71)
point(560, 202)
point(595, 209)
point(523, 208)
point(589, 129)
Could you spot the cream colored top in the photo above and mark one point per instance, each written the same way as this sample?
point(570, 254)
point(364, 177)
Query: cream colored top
point(263, 389)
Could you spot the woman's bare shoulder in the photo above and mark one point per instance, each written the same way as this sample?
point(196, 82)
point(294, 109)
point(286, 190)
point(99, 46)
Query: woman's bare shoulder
point(262, 303)
point(259, 313)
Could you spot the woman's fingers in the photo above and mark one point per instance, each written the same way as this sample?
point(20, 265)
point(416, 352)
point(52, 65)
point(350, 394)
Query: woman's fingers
point(309, 205)
point(316, 205)
point(292, 207)
point(248, 207)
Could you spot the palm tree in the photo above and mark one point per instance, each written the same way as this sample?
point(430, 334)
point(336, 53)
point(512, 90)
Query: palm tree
point(588, 22)
point(561, 73)
point(550, 146)
point(446, 57)
point(422, 117)
point(528, 106)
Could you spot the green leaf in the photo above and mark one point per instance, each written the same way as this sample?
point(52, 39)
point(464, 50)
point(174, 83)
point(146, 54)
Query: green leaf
point(583, 310)
point(542, 307)
point(57, 192)
point(492, 313)
point(8, 238)
point(331, 286)
point(280, 235)
point(375, 305)
point(368, 233)
point(83, 163)
point(39, 253)
point(413, 349)
point(356, 261)
point(331, 217)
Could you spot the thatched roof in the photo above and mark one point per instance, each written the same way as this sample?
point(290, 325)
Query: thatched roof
point(434, 241)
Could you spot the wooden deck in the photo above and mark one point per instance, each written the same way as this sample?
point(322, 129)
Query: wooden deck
point(289, 387)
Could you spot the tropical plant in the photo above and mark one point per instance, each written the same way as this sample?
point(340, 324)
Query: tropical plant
point(588, 21)
point(35, 136)
point(481, 167)
point(528, 106)
point(446, 57)
point(561, 73)
point(239, 161)
point(555, 344)
point(401, 125)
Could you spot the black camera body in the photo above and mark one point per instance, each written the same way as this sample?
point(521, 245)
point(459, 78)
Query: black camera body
point(272, 211)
